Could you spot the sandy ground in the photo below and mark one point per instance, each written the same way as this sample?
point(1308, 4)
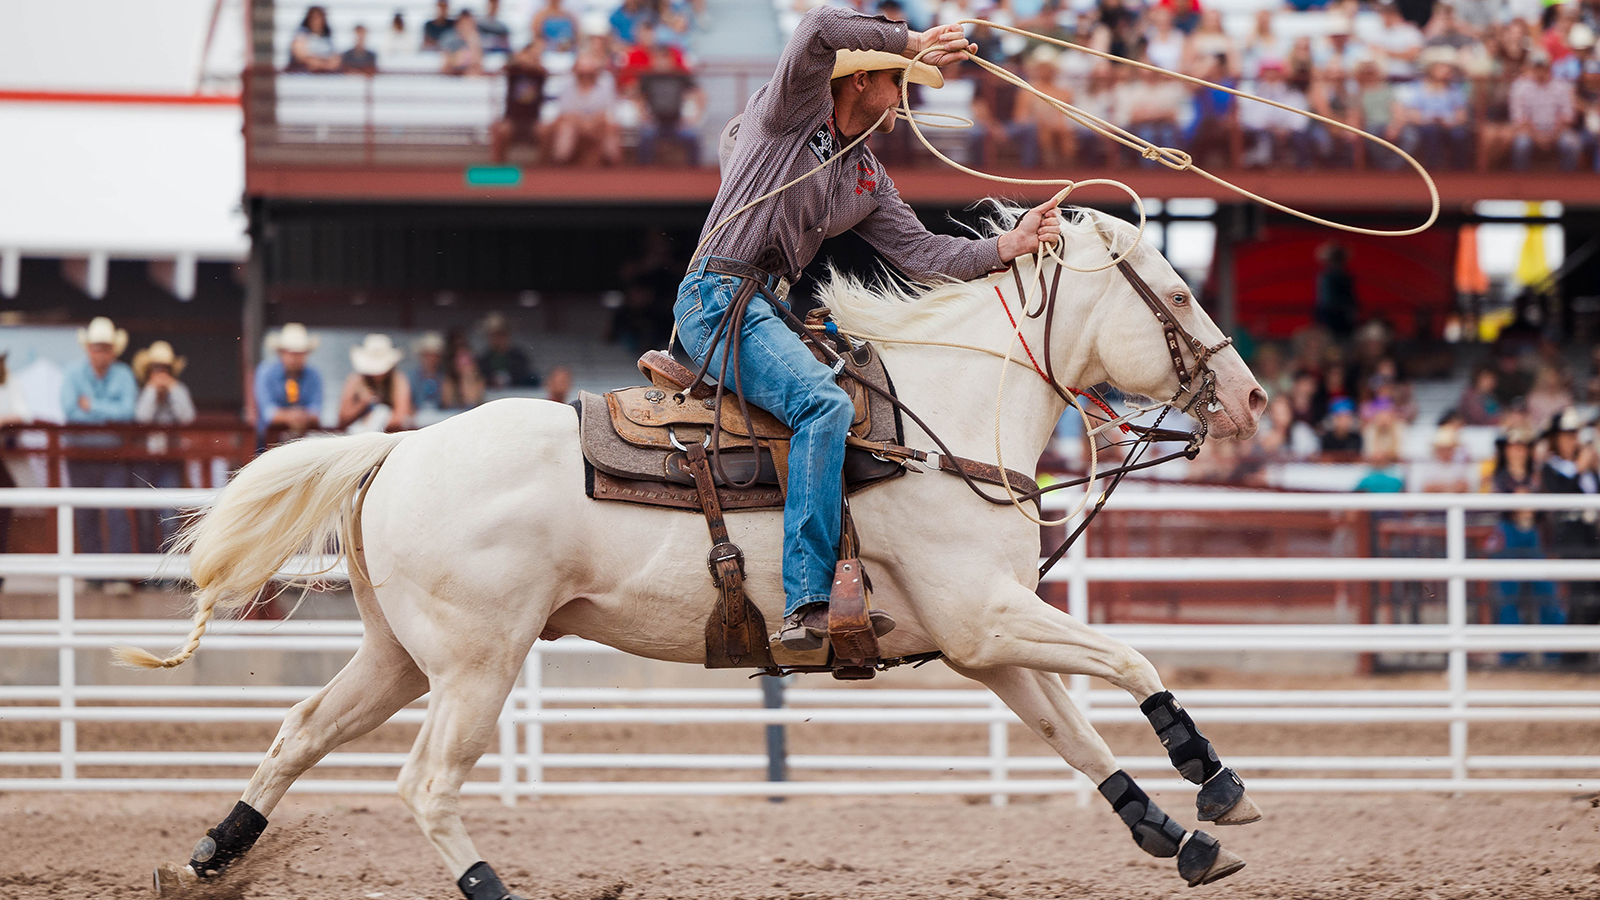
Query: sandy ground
point(619, 849)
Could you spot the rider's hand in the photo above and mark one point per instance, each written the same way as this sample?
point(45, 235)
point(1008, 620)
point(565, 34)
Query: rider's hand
point(1041, 225)
point(949, 45)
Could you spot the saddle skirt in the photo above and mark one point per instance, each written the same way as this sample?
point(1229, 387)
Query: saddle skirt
point(634, 438)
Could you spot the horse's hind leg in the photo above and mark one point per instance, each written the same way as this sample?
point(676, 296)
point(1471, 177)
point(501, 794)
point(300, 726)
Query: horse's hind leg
point(1042, 701)
point(462, 710)
point(1016, 629)
point(379, 680)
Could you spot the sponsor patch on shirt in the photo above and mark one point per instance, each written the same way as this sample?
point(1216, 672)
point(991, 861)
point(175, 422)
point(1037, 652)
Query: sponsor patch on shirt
point(823, 145)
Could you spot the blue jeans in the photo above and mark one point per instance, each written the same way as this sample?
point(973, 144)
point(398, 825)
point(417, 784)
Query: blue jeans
point(779, 374)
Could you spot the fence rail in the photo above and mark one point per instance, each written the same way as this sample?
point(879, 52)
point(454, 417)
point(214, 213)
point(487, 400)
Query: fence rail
point(521, 765)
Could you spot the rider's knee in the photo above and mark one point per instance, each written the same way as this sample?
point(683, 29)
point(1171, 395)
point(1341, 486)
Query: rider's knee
point(833, 408)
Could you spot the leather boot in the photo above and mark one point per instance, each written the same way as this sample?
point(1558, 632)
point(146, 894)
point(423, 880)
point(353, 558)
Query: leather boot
point(807, 627)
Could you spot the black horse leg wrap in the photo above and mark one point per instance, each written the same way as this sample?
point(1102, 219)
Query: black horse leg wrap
point(1191, 754)
point(1153, 830)
point(481, 883)
point(228, 841)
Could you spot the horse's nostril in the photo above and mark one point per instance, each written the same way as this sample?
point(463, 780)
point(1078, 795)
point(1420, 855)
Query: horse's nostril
point(1258, 402)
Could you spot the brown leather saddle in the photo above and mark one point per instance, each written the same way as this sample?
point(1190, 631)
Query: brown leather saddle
point(636, 439)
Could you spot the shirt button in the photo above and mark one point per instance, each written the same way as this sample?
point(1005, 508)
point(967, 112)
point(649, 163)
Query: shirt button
point(819, 231)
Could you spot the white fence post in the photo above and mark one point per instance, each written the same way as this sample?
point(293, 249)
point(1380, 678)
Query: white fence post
point(1078, 608)
point(999, 750)
point(533, 730)
point(66, 656)
point(1456, 615)
point(508, 748)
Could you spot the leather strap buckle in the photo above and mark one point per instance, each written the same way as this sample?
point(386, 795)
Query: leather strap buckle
point(723, 553)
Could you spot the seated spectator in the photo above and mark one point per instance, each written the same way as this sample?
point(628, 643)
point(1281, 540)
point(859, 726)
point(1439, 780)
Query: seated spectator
point(556, 27)
point(1399, 43)
point(428, 378)
point(1186, 14)
point(462, 47)
point(1163, 42)
point(675, 20)
point(1573, 467)
point(1099, 99)
point(1542, 111)
point(164, 400)
point(525, 80)
point(1207, 42)
point(1149, 107)
point(559, 385)
point(662, 90)
point(1341, 433)
point(1213, 129)
point(1512, 381)
point(1433, 113)
point(288, 393)
point(1333, 95)
point(999, 119)
point(100, 391)
point(1376, 97)
point(585, 114)
point(358, 59)
point(641, 56)
point(1268, 131)
point(377, 395)
point(463, 387)
point(493, 33)
point(1449, 470)
point(1305, 398)
point(625, 18)
point(434, 30)
point(1261, 45)
point(311, 48)
point(1444, 30)
point(398, 40)
point(1057, 135)
point(1339, 47)
point(1381, 444)
point(503, 364)
point(1549, 394)
point(1514, 470)
point(1478, 404)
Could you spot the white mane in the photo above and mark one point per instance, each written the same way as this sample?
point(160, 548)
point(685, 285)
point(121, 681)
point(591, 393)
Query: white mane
point(897, 309)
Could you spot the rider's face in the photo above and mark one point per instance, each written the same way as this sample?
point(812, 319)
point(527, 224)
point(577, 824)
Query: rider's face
point(882, 92)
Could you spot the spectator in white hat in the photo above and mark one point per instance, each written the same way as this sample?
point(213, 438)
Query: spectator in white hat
point(164, 400)
point(428, 378)
point(377, 395)
point(288, 393)
point(100, 391)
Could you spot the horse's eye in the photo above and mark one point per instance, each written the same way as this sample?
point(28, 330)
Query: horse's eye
point(1180, 299)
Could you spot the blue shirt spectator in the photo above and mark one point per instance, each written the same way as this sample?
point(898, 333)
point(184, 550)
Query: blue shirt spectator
point(111, 396)
point(628, 16)
point(287, 391)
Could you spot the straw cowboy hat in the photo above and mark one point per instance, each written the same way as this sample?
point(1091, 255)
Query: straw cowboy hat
point(430, 342)
point(101, 331)
point(849, 62)
point(157, 354)
point(375, 355)
point(294, 338)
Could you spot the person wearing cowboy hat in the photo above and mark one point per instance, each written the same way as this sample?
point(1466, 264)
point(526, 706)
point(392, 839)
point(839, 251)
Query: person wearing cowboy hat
point(428, 378)
point(839, 77)
point(1570, 468)
point(377, 395)
point(1435, 127)
point(164, 400)
point(288, 393)
point(100, 391)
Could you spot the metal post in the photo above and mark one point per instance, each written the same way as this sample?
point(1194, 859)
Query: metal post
point(66, 656)
point(1078, 608)
point(1456, 613)
point(533, 730)
point(999, 750)
point(777, 738)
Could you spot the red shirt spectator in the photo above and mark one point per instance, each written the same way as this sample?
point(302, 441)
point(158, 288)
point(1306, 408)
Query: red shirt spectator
point(638, 59)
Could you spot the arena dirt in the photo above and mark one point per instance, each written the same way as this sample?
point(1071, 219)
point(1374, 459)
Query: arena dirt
point(1314, 847)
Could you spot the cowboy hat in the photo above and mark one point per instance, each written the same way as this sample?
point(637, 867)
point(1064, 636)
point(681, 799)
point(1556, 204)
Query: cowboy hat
point(849, 62)
point(101, 331)
point(157, 354)
point(430, 342)
point(294, 338)
point(375, 355)
point(1566, 420)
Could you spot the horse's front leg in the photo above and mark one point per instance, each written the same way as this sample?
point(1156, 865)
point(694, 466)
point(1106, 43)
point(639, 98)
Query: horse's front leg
point(1015, 628)
point(1042, 701)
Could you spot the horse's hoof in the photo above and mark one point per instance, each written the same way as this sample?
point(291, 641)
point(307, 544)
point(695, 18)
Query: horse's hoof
point(1241, 813)
point(1222, 800)
point(172, 880)
point(1201, 860)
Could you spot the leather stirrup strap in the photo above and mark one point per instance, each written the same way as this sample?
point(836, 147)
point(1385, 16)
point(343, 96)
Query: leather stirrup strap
point(726, 560)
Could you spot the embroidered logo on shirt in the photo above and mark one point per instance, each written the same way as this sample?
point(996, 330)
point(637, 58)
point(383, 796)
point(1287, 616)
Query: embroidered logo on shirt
point(862, 182)
point(823, 144)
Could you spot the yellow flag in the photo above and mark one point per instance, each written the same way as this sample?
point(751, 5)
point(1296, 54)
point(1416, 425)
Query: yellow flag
point(1533, 268)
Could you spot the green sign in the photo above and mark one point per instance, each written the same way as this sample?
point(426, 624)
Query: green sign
point(494, 176)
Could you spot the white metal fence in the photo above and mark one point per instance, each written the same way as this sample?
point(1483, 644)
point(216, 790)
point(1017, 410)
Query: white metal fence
point(521, 766)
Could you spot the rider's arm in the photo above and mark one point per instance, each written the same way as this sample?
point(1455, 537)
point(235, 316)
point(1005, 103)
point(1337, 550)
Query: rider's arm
point(799, 87)
point(898, 234)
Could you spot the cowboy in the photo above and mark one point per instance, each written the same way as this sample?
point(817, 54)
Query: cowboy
point(163, 400)
point(100, 391)
point(288, 393)
point(839, 75)
point(1573, 467)
point(377, 395)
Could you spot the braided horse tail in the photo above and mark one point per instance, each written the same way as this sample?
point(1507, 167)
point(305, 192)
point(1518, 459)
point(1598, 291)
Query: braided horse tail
point(293, 500)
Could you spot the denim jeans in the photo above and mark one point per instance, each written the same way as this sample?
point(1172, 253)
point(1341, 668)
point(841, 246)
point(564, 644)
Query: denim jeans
point(779, 374)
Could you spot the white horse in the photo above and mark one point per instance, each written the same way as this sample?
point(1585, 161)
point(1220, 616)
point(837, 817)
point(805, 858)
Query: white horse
point(475, 538)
